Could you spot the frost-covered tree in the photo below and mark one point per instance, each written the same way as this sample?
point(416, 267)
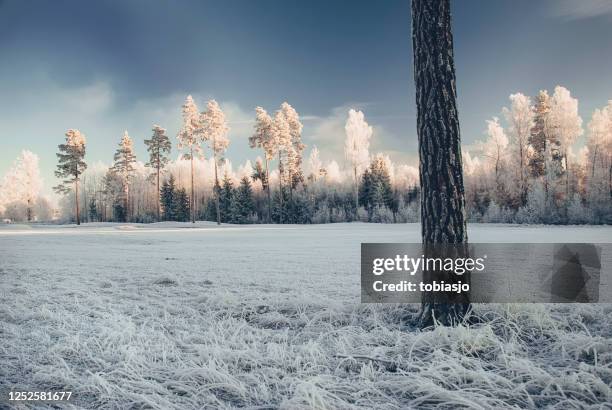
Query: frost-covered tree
point(376, 190)
point(538, 140)
point(159, 147)
point(599, 144)
point(600, 134)
point(282, 142)
point(21, 185)
point(214, 130)
point(71, 165)
point(565, 125)
point(356, 146)
point(495, 150)
point(264, 138)
point(125, 160)
point(294, 148)
point(520, 118)
point(190, 139)
point(315, 165)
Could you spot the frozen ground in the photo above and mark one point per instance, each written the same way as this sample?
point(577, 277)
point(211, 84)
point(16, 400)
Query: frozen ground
point(168, 316)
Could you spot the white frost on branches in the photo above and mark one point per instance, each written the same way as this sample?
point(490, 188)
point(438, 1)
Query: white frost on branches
point(189, 138)
point(357, 143)
point(22, 183)
point(214, 129)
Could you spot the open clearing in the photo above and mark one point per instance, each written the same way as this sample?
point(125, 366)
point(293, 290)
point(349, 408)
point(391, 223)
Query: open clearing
point(169, 316)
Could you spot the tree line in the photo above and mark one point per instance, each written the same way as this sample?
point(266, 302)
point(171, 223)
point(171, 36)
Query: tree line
point(525, 171)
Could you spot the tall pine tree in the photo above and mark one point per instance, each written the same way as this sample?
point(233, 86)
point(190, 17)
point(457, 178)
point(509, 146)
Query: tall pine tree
point(124, 168)
point(443, 219)
point(159, 147)
point(71, 166)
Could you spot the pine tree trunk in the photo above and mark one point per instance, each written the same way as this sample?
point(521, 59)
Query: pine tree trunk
point(356, 193)
point(76, 199)
point(217, 189)
point(610, 179)
point(268, 189)
point(192, 199)
point(593, 163)
point(280, 185)
point(442, 193)
point(566, 179)
point(158, 206)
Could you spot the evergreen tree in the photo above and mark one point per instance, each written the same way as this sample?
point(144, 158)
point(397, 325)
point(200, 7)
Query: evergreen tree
point(376, 190)
point(260, 174)
point(180, 205)
point(93, 210)
point(71, 165)
point(168, 202)
point(243, 206)
point(226, 195)
point(159, 147)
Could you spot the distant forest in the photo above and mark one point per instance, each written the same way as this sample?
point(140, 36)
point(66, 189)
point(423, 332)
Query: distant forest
point(526, 170)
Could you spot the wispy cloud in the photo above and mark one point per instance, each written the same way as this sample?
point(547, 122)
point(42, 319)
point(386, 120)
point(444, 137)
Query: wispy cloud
point(580, 9)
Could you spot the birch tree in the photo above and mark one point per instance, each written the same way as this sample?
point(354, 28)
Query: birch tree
point(356, 147)
point(315, 164)
point(565, 124)
point(443, 219)
point(22, 183)
point(495, 150)
point(214, 130)
point(520, 117)
point(159, 147)
point(190, 140)
point(71, 165)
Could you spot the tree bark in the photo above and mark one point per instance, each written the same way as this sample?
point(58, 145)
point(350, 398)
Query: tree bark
point(280, 185)
point(217, 189)
point(443, 220)
point(192, 199)
point(76, 199)
point(356, 193)
point(158, 206)
point(268, 189)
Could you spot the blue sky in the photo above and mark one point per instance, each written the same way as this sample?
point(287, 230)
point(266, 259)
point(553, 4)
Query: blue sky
point(104, 67)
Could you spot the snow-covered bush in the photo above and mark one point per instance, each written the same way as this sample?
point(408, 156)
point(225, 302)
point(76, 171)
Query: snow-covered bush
point(382, 214)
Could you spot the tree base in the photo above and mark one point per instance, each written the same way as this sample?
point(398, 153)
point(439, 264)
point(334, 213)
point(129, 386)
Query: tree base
point(443, 314)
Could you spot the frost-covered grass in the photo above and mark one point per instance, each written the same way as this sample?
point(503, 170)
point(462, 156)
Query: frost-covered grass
point(169, 317)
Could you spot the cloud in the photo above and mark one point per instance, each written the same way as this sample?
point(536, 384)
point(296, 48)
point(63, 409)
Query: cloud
point(578, 10)
point(327, 133)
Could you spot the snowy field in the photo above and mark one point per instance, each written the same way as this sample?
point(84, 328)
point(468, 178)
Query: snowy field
point(168, 316)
